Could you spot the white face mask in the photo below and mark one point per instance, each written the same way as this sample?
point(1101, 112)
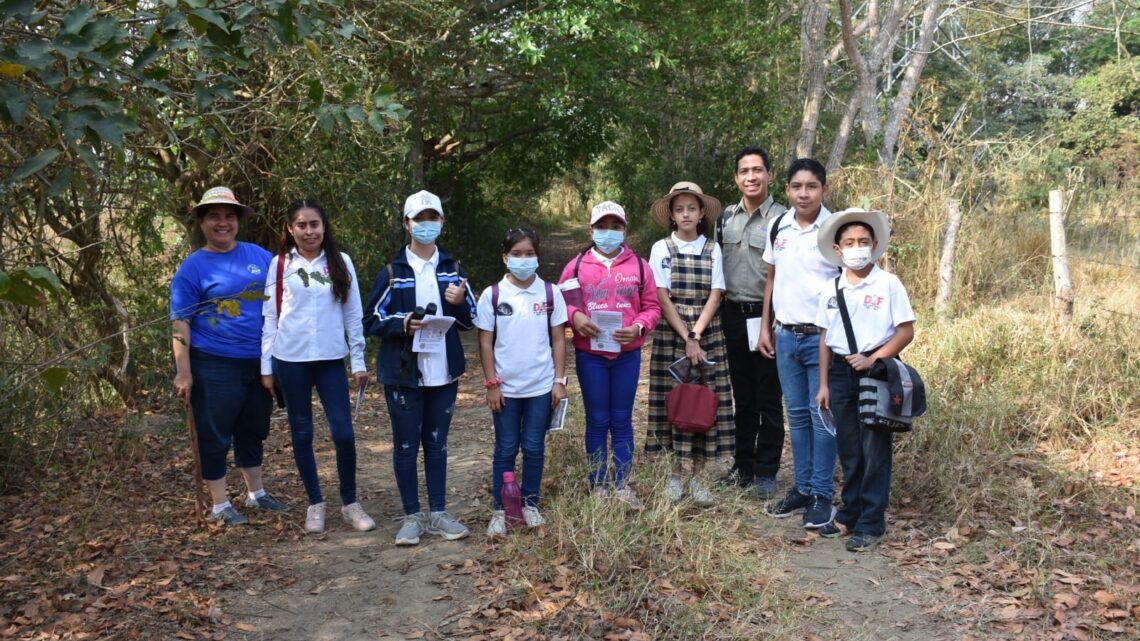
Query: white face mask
point(856, 257)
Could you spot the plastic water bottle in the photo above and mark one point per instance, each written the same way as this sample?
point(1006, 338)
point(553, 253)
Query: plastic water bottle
point(511, 497)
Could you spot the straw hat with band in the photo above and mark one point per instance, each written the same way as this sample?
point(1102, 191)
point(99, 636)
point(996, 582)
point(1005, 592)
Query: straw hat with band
point(876, 220)
point(662, 207)
point(220, 196)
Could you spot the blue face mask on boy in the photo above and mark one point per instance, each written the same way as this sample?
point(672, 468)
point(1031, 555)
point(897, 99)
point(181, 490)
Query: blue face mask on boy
point(608, 240)
point(427, 231)
point(523, 267)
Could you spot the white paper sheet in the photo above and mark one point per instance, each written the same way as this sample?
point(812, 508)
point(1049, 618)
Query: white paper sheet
point(558, 416)
point(752, 325)
point(429, 338)
point(607, 323)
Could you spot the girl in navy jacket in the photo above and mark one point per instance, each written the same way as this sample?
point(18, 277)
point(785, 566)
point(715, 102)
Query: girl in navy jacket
point(420, 388)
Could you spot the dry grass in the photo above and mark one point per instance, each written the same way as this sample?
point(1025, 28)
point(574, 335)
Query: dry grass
point(670, 571)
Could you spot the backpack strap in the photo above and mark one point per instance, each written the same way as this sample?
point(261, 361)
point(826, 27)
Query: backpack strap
point(549, 311)
point(842, 302)
point(775, 230)
point(718, 230)
point(280, 285)
point(494, 315)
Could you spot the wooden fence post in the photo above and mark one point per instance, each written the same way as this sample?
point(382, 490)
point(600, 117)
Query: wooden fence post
point(1062, 284)
point(946, 265)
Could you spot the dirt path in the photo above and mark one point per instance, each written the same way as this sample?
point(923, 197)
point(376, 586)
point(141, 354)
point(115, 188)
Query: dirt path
point(354, 585)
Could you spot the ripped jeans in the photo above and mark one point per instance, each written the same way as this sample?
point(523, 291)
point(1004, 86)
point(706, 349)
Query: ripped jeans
point(420, 415)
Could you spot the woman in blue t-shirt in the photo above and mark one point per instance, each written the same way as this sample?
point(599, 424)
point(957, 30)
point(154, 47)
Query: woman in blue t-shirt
point(217, 351)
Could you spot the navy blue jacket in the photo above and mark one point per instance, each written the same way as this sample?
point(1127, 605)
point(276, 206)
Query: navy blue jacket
point(394, 298)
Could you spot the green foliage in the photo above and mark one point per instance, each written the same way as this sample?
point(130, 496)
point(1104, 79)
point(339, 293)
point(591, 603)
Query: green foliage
point(1109, 111)
point(27, 286)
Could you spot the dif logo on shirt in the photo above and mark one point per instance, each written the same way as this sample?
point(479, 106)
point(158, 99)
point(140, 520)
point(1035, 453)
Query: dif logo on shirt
point(873, 302)
point(780, 244)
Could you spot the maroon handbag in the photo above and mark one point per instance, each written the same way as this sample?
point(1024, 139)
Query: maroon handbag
point(691, 407)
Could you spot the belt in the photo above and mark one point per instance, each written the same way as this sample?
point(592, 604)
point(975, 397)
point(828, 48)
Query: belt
point(747, 307)
point(799, 329)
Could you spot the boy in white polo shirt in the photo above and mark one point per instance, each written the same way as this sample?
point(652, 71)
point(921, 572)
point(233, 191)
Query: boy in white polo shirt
point(882, 324)
point(796, 274)
point(523, 350)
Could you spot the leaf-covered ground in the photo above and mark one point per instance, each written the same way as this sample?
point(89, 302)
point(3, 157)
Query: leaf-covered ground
point(103, 544)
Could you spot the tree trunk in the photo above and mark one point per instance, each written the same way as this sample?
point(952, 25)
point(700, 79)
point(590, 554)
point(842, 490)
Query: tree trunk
point(813, 27)
point(901, 102)
point(842, 134)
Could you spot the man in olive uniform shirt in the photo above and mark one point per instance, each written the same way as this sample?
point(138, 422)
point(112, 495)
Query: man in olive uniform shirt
point(743, 231)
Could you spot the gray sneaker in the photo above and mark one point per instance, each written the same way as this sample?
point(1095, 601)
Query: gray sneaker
point(765, 487)
point(862, 542)
point(445, 525)
point(412, 529)
point(266, 502)
point(229, 516)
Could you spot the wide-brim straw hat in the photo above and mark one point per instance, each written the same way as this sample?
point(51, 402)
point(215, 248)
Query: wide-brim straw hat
point(221, 196)
point(660, 211)
point(877, 221)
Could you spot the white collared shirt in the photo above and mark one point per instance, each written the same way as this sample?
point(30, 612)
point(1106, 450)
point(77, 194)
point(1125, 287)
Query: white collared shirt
point(659, 260)
point(433, 367)
point(522, 348)
point(608, 261)
point(877, 306)
point(801, 270)
point(313, 323)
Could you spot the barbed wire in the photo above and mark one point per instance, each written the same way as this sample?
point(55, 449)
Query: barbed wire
point(1081, 259)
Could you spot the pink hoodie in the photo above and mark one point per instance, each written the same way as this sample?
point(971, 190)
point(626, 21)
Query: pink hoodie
point(614, 288)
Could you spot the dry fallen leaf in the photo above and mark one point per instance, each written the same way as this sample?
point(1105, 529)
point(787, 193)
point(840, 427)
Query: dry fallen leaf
point(246, 627)
point(1104, 597)
point(1067, 599)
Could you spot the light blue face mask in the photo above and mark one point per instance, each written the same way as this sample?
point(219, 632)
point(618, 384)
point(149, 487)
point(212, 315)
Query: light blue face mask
point(427, 231)
point(608, 240)
point(522, 268)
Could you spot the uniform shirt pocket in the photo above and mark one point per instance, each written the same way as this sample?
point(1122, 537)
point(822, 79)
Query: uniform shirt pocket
point(758, 236)
point(733, 236)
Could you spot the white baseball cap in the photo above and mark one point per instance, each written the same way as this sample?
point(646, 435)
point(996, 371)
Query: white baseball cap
point(422, 201)
point(606, 208)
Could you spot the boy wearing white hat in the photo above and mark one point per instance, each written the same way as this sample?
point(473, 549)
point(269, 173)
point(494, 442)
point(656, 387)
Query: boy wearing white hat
point(882, 324)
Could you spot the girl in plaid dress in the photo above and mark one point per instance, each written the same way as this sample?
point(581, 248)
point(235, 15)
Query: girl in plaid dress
point(689, 271)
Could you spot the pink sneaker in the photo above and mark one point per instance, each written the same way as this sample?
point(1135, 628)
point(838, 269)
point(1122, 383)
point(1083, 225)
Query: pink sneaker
point(315, 519)
point(356, 516)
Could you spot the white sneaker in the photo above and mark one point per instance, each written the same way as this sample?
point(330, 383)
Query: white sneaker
point(701, 494)
point(498, 525)
point(356, 516)
point(674, 489)
point(532, 517)
point(315, 519)
point(626, 495)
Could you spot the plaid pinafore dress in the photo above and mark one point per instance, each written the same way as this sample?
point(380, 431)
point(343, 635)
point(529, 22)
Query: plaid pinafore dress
point(691, 276)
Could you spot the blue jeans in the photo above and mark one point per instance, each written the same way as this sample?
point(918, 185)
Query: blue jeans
point(421, 415)
point(522, 421)
point(608, 387)
point(297, 381)
point(813, 449)
point(865, 455)
point(230, 408)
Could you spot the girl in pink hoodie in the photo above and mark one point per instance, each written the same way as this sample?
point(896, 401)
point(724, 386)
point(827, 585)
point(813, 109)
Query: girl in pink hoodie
point(612, 304)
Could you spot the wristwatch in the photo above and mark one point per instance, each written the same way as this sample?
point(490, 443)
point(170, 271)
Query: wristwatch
point(693, 335)
point(560, 381)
